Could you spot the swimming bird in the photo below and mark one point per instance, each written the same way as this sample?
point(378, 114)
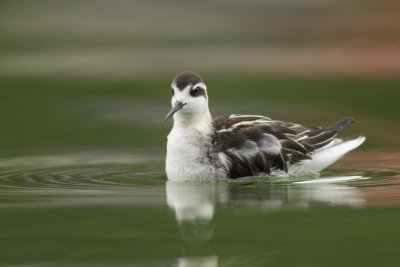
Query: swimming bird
point(201, 148)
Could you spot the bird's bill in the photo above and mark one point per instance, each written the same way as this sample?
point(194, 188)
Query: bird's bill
point(177, 107)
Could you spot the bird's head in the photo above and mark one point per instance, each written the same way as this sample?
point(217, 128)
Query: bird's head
point(189, 97)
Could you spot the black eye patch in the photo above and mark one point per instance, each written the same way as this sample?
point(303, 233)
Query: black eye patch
point(197, 91)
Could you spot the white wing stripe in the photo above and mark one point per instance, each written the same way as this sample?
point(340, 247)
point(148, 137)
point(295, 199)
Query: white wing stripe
point(225, 160)
point(244, 123)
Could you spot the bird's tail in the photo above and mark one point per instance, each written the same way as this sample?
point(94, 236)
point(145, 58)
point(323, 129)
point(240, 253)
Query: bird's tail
point(341, 124)
point(325, 156)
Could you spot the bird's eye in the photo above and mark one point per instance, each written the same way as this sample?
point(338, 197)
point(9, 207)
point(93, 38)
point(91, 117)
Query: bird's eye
point(195, 91)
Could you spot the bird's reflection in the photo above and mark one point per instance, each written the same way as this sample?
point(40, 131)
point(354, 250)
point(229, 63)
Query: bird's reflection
point(195, 204)
point(254, 259)
point(207, 261)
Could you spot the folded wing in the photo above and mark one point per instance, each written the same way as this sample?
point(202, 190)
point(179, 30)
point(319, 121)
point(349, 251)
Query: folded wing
point(249, 145)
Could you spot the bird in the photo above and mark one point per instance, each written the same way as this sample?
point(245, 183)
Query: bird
point(203, 148)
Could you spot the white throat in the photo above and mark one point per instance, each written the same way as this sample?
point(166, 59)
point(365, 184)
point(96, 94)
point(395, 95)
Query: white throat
point(200, 122)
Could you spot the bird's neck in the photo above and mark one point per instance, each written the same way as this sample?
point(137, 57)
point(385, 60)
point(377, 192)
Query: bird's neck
point(201, 122)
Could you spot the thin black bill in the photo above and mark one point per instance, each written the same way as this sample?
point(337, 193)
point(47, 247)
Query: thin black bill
point(177, 107)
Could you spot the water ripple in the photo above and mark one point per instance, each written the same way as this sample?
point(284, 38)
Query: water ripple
point(87, 170)
point(127, 176)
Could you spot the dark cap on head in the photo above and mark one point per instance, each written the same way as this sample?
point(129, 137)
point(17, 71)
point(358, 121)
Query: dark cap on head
point(185, 78)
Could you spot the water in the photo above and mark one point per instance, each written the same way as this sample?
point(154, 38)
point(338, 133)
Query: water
point(94, 209)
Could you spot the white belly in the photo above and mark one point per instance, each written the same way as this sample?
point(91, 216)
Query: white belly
point(187, 158)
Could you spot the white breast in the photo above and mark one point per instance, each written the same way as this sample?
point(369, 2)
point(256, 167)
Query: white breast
point(187, 156)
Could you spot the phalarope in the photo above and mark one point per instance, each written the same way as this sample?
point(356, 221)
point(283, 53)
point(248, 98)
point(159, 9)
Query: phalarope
point(201, 148)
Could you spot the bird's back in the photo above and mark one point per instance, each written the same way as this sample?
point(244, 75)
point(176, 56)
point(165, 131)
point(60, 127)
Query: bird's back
point(248, 145)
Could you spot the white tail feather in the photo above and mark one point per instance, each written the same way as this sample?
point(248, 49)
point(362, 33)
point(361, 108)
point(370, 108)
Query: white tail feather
point(325, 156)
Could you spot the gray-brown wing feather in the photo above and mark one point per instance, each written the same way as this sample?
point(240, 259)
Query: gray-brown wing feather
point(252, 145)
